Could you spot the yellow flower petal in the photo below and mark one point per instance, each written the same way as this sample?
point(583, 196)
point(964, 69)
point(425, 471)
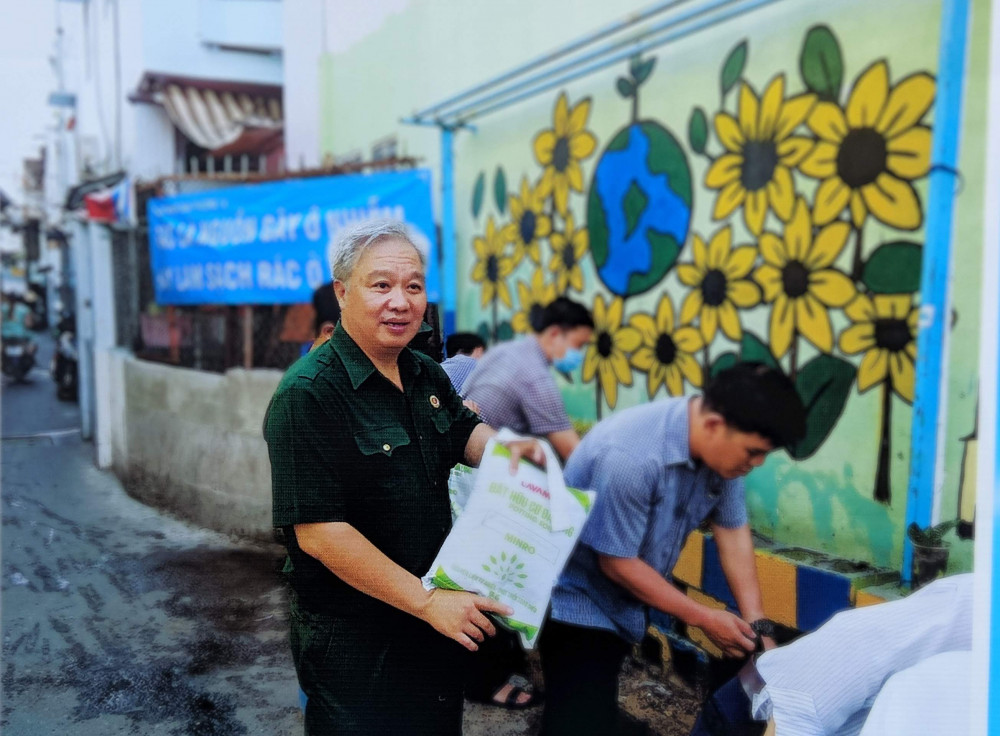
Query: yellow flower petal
point(782, 325)
point(827, 121)
point(546, 183)
point(545, 145)
point(908, 102)
point(675, 382)
point(909, 154)
point(725, 169)
point(689, 275)
point(748, 113)
point(740, 262)
point(699, 251)
point(691, 306)
point(627, 339)
point(646, 327)
point(519, 322)
point(655, 378)
point(488, 292)
point(781, 192)
point(575, 175)
point(591, 360)
point(858, 210)
point(729, 133)
point(821, 163)
point(665, 315)
point(857, 338)
point(688, 339)
point(623, 372)
point(582, 145)
point(868, 97)
point(691, 369)
point(893, 202)
point(793, 150)
point(893, 306)
point(578, 118)
point(560, 191)
point(827, 245)
point(798, 232)
point(730, 197)
point(729, 321)
point(755, 210)
point(709, 323)
point(718, 248)
point(794, 112)
point(614, 315)
point(504, 293)
point(831, 287)
point(773, 250)
point(873, 369)
point(813, 322)
point(770, 107)
point(560, 118)
point(576, 278)
point(609, 386)
point(769, 278)
point(860, 309)
point(644, 358)
point(831, 198)
point(746, 294)
point(903, 375)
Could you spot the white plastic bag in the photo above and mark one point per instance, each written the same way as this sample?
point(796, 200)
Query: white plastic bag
point(513, 537)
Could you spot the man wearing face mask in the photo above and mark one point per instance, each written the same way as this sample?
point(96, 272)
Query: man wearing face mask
point(513, 387)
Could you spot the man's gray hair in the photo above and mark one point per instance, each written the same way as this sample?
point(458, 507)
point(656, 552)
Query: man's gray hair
point(353, 241)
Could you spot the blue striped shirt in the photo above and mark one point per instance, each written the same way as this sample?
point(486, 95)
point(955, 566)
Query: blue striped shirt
point(458, 367)
point(650, 496)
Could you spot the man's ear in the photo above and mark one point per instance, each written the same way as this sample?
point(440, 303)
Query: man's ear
point(477, 353)
point(712, 421)
point(339, 289)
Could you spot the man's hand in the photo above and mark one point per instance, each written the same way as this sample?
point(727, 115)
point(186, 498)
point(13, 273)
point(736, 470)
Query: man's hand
point(729, 632)
point(459, 616)
point(529, 449)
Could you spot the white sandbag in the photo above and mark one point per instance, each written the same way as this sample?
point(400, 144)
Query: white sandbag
point(513, 537)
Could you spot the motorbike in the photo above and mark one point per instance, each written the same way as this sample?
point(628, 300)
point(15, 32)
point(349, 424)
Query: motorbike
point(64, 369)
point(18, 357)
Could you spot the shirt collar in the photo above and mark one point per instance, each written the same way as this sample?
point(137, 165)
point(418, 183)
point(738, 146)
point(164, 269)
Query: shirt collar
point(677, 428)
point(358, 365)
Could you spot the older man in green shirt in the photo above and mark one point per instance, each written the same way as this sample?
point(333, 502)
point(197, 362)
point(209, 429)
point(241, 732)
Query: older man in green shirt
point(362, 433)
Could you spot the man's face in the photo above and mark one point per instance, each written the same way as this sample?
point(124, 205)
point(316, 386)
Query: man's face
point(574, 338)
point(383, 302)
point(732, 453)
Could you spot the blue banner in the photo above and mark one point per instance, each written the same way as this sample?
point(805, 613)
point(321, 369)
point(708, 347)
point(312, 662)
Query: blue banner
point(271, 243)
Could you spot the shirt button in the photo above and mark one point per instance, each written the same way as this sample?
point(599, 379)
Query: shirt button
point(386, 447)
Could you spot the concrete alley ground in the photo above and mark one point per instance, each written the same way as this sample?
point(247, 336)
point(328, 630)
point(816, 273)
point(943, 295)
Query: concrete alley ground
point(118, 619)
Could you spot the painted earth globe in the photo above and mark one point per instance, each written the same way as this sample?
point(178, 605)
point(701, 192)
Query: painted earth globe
point(639, 208)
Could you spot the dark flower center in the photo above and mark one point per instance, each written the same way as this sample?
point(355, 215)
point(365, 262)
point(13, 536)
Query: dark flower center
point(527, 227)
point(861, 157)
point(604, 344)
point(795, 279)
point(560, 155)
point(492, 269)
point(568, 256)
point(666, 349)
point(713, 288)
point(892, 334)
point(759, 160)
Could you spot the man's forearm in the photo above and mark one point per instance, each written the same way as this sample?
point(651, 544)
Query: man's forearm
point(362, 565)
point(645, 583)
point(739, 564)
point(476, 444)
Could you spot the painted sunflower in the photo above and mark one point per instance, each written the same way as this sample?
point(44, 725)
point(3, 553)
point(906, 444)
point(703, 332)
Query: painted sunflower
point(532, 299)
point(665, 354)
point(761, 151)
point(718, 277)
point(798, 279)
point(560, 150)
point(870, 152)
point(530, 223)
point(493, 265)
point(607, 353)
point(885, 330)
point(568, 248)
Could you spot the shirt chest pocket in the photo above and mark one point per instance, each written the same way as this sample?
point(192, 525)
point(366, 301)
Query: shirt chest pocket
point(383, 467)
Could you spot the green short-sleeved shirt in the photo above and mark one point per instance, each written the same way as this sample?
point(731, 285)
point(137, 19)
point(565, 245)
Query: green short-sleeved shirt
point(346, 445)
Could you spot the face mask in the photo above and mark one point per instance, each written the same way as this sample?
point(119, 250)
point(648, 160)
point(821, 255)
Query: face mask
point(570, 361)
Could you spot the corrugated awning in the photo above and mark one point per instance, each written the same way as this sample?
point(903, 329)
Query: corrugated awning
point(222, 117)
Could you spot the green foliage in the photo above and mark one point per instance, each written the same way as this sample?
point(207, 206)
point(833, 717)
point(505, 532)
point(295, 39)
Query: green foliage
point(733, 67)
point(625, 88)
point(698, 130)
point(894, 268)
point(755, 350)
point(723, 362)
point(824, 383)
point(821, 63)
point(500, 190)
point(932, 536)
point(634, 205)
point(641, 69)
point(505, 331)
point(477, 194)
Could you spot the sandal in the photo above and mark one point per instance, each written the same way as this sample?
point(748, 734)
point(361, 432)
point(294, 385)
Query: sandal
point(511, 702)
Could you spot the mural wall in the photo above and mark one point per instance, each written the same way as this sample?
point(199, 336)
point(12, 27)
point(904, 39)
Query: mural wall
point(776, 214)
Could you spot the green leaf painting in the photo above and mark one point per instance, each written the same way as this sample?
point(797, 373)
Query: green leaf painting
point(500, 190)
point(822, 64)
point(824, 383)
point(477, 194)
point(893, 268)
point(721, 363)
point(733, 67)
point(641, 69)
point(625, 87)
point(755, 350)
point(698, 130)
